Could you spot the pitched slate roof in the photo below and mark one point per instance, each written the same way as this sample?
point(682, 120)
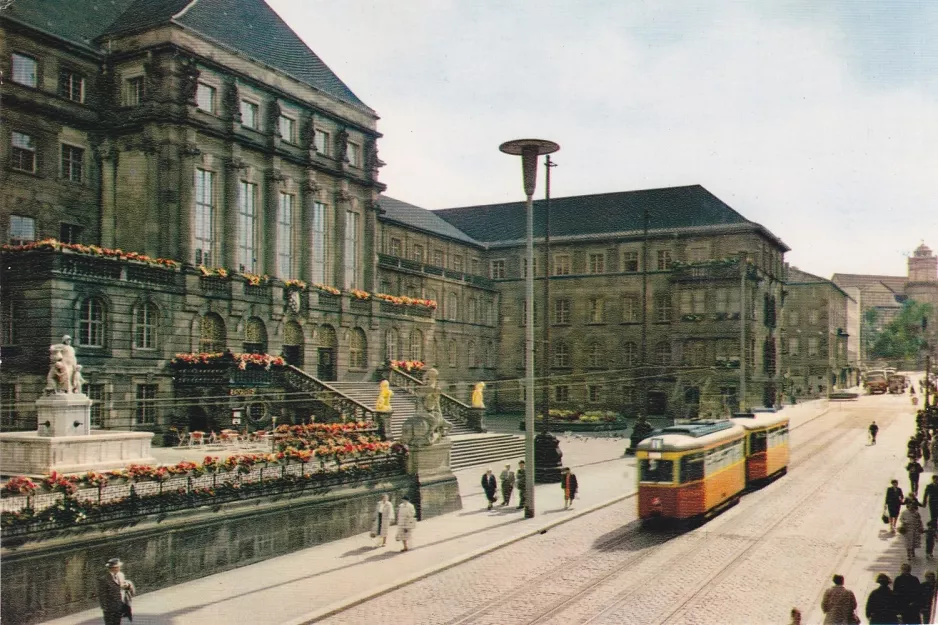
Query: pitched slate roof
point(249, 27)
point(893, 283)
point(797, 276)
point(604, 213)
point(420, 218)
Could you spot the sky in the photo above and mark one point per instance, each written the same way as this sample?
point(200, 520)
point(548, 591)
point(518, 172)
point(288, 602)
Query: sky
point(817, 120)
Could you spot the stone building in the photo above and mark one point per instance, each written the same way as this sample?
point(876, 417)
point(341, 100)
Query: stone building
point(816, 336)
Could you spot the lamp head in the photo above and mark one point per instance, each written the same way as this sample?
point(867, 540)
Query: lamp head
point(529, 150)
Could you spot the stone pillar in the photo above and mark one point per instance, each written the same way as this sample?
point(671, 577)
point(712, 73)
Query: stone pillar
point(64, 414)
point(369, 244)
point(268, 224)
point(189, 154)
point(109, 157)
point(342, 204)
point(310, 194)
point(437, 488)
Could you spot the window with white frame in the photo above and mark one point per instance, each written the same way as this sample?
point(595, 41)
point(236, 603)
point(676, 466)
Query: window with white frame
point(287, 127)
point(96, 394)
point(562, 311)
point(357, 349)
point(91, 320)
point(438, 258)
point(629, 353)
point(71, 85)
point(597, 263)
point(562, 358)
point(631, 309)
point(22, 152)
point(354, 154)
point(726, 300)
point(524, 312)
point(793, 347)
point(561, 392)
point(145, 323)
point(286, 238)
point(205, 97)
point(693, 301)
point(25, 70)
point(319, 242)
point(498, 269)
point(203, 237)
point(457, 262)
point(70, 233)
point(250, 114)
point(597, 310)
point(453, 354)
point(630, 262)
point(416, 345)
point(72, 163)
point(134, 91)
point(392, 345)
point(813, 346)
point(524, 267)
point(663, 353)
point(416, 253)
point(664, 260)
point(321, 141)
point(662, 307)
point(352, 249)
point(813, 317)
point(145, 412)
point(452, 307)
point(595, 356)
point(562, 265)
point(594, 393)
point(22, 230)
point(394, 247)
point(247, 226)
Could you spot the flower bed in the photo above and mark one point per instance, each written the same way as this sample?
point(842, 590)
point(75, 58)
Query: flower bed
point(226, 359)
point(403, 300)
point(93, 250)
point(407, 366)
point(581, 421)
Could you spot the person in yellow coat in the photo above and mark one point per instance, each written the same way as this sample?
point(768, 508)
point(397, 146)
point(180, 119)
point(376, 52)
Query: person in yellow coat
point(384, 397)
point(477, 400)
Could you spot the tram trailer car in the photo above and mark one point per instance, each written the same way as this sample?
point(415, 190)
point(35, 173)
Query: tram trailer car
point(688, 473)
point(767, 448)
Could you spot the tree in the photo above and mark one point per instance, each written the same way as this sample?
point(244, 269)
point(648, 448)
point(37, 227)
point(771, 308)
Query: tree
point(905, 337)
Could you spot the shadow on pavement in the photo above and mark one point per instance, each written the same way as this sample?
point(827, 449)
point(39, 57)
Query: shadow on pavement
point(633, 537)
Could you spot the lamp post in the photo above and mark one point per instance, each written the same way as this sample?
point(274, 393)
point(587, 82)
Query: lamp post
point(529, 150)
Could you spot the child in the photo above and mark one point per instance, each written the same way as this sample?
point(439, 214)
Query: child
point(931, 531)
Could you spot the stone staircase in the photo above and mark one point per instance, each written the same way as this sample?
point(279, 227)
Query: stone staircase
point(470, 448)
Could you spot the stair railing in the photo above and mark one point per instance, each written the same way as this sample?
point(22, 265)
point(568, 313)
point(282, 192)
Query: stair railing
point(296, 378)
point(453, 410)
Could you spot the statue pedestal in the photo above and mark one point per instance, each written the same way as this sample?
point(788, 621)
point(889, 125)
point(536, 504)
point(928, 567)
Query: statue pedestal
point(437, 488)
point(548, 459)
point(64, 414)
point(384, 423)
point(475, 418)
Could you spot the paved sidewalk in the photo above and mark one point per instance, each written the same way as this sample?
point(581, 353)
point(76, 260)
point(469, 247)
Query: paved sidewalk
point(315, 582)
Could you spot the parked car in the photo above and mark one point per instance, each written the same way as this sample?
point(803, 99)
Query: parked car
point(897, 384)
point(875, 384)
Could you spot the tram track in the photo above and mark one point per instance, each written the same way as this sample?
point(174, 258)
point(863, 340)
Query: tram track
point(633, 540)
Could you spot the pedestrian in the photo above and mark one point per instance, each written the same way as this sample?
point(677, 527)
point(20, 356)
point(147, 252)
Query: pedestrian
point(569, 484)
point(795, 617)
point(934, 450)
point(894, 501)
point(490, 487)
point(507, 478)
point(874, 430)
point(881, 604)
point(115, 593)
point(406, 521)
point(927, 596)
point(915, 470)
point(926, 451)
point(911, 527)
point(521, 477)
point(908, 593)
point(838, 603)
point(384, 516)
point(930, 498)
point(931, 531)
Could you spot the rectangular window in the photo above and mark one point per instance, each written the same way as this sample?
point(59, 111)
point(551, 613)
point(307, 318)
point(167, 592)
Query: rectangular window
point(205, 97)
point(597, 310)
point(438, 258)
point(812, 346)
point(524, 312)
point(630, 262)
point(144, 326)
point(562, 265)
point(416, 252)
point(96, 395)
point(321, 141)
point(70, 233)
point(631, 309)
point(249, 114)
point(793, 348)
point(664, 260)
point(474, 266)
point(204, 217)
point(71, 85)
point(22, 230)
point(287, 129)
point(813, 317)
point(72, 163)
point(25, 70)
point(698, 253)
point(726, 300)
point(561, 393)
point(594, 392)
point(498, 269)
point(663, 307)
point(318, 242)
point(145, 413)
point(134, 91)
point(793, 318)
point(354, 154)
point(597, 263)
point(22, 152)
point(394, 247)
point(524, 267)
point(699, 301)
point(661, 471)
point(247, 226)
point(457, 263)
point(352, 251)
point(285, 236)
point(562, 311)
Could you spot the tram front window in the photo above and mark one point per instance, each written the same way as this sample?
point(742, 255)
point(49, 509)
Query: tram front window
point(657, 470)
point(757, 442)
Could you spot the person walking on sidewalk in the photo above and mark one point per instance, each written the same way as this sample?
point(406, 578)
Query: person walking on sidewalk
point(881, 604)
point(569, 484)
point(795, 617)
point(521, 478)
point(406, 521)
point(931, 532)
point(507, 478)
point(838, 603)
point(894, 501)
point(874, 430)
point(490, 487)
point(908, 593)
point(115, 593)
point(915, 471)
point(928, 595)
point(384, 516)
point(911, 527)
point(930, 498)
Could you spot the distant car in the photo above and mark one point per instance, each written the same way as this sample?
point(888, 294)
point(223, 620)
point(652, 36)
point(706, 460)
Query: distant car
point(897, 384)
point(876, 384)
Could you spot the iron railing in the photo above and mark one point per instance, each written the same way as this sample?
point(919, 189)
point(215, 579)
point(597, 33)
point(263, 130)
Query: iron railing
point(452, 409)
point(296, 378)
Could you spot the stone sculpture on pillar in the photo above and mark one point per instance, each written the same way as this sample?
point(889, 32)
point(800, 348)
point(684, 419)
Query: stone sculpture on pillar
point(64, 372)
point(427, 426)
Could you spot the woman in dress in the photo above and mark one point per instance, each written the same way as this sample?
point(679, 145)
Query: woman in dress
point(894, 501)
point(911, 526)
point(384, 516)
point(406, 521)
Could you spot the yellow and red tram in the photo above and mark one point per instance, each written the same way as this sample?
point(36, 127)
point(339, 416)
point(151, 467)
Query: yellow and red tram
point(767, 448)
point(692, 471)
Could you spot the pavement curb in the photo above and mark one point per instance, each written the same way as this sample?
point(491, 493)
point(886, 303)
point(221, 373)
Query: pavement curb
point(345, 604)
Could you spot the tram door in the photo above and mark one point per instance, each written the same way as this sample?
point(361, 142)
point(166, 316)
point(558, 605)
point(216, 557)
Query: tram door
point(326, 365)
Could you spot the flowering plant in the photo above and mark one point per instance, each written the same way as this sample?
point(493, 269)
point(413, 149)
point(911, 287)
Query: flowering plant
point(95, 479)
point(403, 300)
point(92, 250)
point(20, 485)
point(359, 294)
point(242, 361)
point(325, 288)
point(213, 272)
point(254, 279)
point(58, 483)
point(407, 366)
point(292, 283)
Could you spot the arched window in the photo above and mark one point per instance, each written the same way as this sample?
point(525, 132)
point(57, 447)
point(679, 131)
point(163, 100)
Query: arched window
point(255, 336)
point(629, 354)
point(392, 345)
point(416, 345)
point(327, 337)
point(145, 323)
point(212, 336)
point(91, 322)
point(663, 353)
point(471, 354)
point(562, 356)
point(594, 356)
point(357, 349)
point(293, 343)
point(453, 354)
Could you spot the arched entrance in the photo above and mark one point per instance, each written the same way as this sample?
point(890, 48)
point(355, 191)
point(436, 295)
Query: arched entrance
point(326, 353)
point(293, 344)
point(657, 403)
point(198, 420)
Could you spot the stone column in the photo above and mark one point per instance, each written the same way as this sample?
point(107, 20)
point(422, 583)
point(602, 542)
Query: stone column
point(271, 234)
point(189, 154)
point(342, 204)
point(369, 244)
point(310, 194)
point(108, 155)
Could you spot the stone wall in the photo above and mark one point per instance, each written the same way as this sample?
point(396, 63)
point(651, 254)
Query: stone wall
point(56, 576)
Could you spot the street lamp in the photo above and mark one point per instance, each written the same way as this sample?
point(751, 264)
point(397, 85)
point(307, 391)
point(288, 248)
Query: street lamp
point(529, 150)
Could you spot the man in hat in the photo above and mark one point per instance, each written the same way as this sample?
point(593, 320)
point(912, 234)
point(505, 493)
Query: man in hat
point(115, 593)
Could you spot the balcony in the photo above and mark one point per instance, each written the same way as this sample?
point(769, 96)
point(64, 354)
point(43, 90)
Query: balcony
point(416, 267)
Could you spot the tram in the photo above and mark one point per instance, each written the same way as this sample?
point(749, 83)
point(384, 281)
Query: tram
point(767, 449)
